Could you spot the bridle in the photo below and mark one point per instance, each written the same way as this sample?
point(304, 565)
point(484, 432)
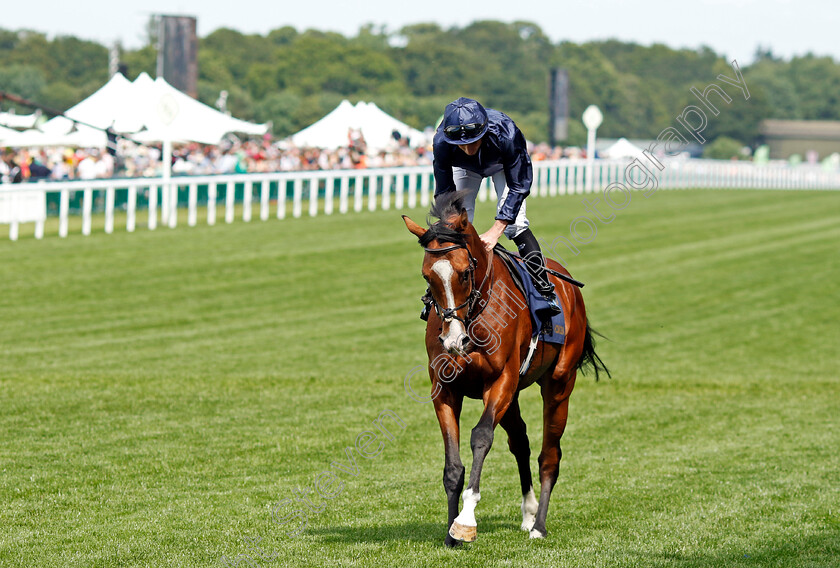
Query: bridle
point(448, 314)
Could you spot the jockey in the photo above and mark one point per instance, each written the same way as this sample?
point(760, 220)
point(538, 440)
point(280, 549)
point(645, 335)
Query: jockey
point(473, 143)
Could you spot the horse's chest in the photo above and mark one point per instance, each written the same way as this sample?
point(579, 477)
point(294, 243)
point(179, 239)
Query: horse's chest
point(468, 375)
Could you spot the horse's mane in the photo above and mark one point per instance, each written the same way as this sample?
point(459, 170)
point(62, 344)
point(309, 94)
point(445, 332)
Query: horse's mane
point(445, 206)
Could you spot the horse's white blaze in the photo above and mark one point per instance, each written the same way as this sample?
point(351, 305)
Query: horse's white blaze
point(467, 515)
point(529, 510)
point(443, 268)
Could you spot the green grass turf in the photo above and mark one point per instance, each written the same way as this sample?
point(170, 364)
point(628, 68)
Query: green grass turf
point(160, 391)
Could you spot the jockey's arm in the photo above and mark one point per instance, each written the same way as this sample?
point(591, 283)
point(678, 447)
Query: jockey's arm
point(491, 237)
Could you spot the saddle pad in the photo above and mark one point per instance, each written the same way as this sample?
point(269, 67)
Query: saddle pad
point(553, 332)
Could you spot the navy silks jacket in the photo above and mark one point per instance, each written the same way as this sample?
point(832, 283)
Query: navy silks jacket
point(503, 147)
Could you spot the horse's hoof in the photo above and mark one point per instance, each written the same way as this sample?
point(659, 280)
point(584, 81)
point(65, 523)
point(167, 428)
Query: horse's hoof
point(536, 534)
point(462, 532)
point(528, 523)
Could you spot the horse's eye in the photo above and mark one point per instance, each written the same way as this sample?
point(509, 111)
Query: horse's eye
point(464, 275)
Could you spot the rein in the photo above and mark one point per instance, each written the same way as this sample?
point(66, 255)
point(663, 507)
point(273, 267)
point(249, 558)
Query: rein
point(447, 314)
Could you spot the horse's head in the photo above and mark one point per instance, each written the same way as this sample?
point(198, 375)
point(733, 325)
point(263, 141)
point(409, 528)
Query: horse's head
point(450, 267)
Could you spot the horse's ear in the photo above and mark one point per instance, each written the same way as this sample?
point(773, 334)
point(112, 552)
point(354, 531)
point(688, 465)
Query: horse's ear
point(461, 221)
point(416, 229)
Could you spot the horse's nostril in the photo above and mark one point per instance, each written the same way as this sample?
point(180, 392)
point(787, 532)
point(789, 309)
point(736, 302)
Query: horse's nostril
point(464, 340)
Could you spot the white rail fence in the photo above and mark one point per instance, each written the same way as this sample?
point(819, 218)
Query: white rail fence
point(340, 191)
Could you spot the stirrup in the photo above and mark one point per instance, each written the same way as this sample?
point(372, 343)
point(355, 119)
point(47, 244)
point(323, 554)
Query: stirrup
point(553, 306)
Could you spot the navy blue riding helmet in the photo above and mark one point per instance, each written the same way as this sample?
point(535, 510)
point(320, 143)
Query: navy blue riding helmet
point(464, 121)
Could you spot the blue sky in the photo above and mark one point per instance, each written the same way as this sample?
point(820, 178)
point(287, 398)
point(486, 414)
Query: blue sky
point(731, 27)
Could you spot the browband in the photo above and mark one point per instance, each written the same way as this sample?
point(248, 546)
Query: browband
point(444, 249)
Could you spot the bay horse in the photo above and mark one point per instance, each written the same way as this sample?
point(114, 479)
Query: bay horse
point(477, 338)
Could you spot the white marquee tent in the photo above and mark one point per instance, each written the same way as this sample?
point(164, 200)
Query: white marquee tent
point(376, 125)
point(14, 120)
point(146, 110)
point(622, 148)
point(8, 136)
point(101, 109)
point(164, 113)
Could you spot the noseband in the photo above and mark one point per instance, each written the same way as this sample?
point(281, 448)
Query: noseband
point(448, 314)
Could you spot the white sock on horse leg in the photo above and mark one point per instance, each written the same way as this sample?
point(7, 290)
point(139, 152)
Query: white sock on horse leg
point(529, 510)
point(467, 516)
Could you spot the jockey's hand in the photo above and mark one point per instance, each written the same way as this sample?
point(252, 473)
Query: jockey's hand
point(491, 237)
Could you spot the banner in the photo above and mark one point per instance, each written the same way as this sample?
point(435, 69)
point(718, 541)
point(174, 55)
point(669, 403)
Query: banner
point(22, 206)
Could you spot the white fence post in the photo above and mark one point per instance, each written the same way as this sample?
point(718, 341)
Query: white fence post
point(192, 204)
point(87, 207)
point(212, 196)
point(297, 198)
point(358, 193)
point(14, 226)
point(563, 178)
point(412, 188)
point(109, 210)
point(372, 183)
point(247, 199)
point(39, 226)
point(282, 191)
point(541, 173)
point(399, 190)
point(314, 184)
point(386, 191)
point(344, 192)
point(172, 214)
point(131, 209)
point(329, 190)
point(152, 207)
point(264, 185)
point(424, 188)
point(230, 201)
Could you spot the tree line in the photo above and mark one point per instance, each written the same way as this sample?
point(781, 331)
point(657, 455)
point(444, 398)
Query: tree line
point(292, 77)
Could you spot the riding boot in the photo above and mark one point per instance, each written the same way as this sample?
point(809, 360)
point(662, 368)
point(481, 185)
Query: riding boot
point(427, 305)
point(529, 250)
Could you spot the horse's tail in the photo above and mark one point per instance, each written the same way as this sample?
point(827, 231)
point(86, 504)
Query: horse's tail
point(589, 358)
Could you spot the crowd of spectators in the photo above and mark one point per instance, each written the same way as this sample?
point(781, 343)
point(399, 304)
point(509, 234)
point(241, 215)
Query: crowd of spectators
point(232, 156)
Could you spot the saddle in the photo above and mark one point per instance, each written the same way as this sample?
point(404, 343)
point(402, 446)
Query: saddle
point(545, 328)
point(550, 330)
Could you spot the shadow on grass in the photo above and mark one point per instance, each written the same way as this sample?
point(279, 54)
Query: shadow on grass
point(409, 532)
point(817, 551)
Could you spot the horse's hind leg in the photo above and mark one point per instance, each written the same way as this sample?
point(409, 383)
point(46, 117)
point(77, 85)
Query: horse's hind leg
point(555, 393)
point(521, 449)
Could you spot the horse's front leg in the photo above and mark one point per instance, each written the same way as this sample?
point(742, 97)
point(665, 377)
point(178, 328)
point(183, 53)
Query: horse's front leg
point(497, 399)
point(448, 410)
